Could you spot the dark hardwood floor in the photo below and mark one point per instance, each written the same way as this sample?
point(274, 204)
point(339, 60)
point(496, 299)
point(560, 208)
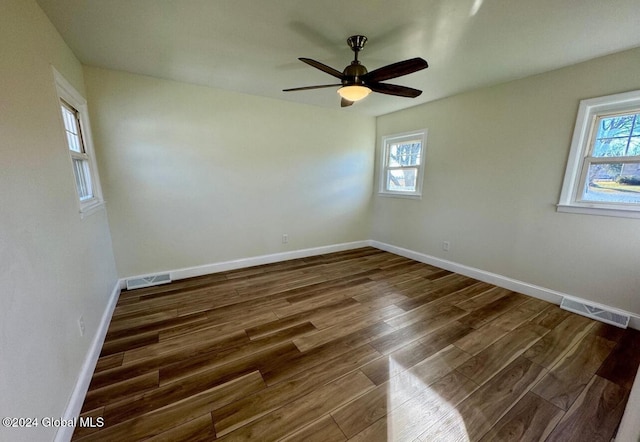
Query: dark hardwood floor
point(360, 345)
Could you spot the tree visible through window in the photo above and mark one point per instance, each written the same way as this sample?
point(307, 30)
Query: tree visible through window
point(615, 137)
point(403, 164)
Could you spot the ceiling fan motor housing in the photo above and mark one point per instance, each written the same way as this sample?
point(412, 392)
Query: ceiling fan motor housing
point(353, 74)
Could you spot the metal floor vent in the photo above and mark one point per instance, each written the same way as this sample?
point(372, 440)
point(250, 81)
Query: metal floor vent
point(148, 281)
point(593, 312)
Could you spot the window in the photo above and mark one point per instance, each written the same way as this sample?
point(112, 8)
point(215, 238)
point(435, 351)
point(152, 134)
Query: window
point(77, 132)
point(402, 164)
point(78, 151)
point(603, 170)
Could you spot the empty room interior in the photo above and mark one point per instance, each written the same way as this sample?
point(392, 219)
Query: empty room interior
point(204, 235)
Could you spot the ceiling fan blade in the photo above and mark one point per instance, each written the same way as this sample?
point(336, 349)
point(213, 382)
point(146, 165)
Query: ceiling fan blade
point(396, 70)
point(323, 67)
point(305, 88)
point(344, 102)
point(394, 89)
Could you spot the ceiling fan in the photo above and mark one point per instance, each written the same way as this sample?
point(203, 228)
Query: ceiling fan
point(357, 82)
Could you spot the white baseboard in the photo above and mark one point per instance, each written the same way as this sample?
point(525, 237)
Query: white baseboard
point(86, 372)
point(533, 290)
point(224, 266)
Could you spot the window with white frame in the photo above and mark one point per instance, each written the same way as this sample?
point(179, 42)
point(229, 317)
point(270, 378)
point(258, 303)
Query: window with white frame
point(603, 170)
point(402, 164)
point(73, 108)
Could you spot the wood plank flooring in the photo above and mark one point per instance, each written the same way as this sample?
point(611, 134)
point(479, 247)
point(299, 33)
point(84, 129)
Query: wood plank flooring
point(361, 345)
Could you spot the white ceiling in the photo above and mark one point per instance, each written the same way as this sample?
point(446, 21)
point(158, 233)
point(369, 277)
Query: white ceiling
point(252, 46)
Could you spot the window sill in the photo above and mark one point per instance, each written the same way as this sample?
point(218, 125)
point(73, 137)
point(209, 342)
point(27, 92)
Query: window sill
point(90, 209)
point(400, 195)
point(592, 209)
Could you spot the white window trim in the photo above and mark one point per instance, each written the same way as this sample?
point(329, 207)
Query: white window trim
point(69, 94)
point(580, 144)
point(386, 140)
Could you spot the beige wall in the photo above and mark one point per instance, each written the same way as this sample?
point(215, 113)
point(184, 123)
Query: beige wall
point(194, 175)
point(54, 266)
point(495, 163)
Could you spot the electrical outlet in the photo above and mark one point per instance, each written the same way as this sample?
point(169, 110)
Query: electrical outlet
point(285, 238)
point(81, 325)
point(446, 245)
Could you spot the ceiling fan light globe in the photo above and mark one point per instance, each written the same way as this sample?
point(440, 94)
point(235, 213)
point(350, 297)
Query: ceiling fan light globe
point(354, 93)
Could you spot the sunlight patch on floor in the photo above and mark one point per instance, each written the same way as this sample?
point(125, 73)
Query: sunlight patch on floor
point(417, 412)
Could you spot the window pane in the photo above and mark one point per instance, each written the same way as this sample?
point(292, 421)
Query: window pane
point(613, 183)
point(69, 120)
point(71, 126)
point(610, 147)
point(618, 126)
point(73, 142)
point(615, 136)
point(402, 180)
point(404, 154)
point(636, 126)
point(634, 146)
point(83, 179)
